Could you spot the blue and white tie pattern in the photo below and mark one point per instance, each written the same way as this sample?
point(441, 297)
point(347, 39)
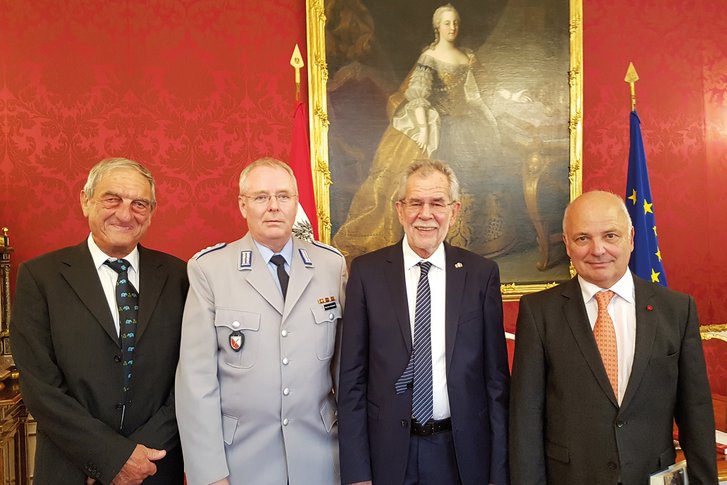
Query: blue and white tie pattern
point(419, 368)
point(127, 300)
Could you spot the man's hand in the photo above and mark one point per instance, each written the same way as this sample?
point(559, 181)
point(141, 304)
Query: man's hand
point(139, 466)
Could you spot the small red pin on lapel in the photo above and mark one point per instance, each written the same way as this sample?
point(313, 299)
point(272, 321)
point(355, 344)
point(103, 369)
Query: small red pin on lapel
point(649, 308)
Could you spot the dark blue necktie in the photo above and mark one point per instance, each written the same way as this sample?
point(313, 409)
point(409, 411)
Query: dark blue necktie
point(419, 368)
point(127, 300)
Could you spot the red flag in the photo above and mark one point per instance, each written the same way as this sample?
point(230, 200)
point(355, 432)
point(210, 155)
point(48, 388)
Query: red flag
point(306, 223)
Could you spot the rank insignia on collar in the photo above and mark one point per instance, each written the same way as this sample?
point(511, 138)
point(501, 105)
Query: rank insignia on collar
point(237, 340)
point(306, 259)
point(245, 260)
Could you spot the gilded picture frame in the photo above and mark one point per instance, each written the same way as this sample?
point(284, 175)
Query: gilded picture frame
point(525, 62)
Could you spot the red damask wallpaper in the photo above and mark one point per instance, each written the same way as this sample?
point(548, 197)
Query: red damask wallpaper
point(195, 89)
point(679, 52)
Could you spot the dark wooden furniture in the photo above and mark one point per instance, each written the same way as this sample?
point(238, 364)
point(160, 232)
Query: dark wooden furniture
point(14, 456)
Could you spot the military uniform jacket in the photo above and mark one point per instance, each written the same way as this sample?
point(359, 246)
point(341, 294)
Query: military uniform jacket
point(254, 383)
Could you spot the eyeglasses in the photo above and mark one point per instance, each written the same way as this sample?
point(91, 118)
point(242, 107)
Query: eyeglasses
point(139, 206)
point(283, 198)
point(415, 206)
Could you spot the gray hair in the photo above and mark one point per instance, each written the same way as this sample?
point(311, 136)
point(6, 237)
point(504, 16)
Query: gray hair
point(437, 19)
point(109, 164)
point(265, 162)
point(616, 198)
point(426, 167)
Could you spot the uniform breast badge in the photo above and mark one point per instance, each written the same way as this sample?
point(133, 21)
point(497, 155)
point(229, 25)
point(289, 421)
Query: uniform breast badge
point(329, 302)
point(237, 340)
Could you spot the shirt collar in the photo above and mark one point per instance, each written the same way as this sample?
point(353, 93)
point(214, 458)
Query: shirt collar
point(411, 258)
point(267, 253)
point(99, 257)
point(624, 288)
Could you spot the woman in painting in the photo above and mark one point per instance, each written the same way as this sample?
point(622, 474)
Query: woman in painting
point(439, 113)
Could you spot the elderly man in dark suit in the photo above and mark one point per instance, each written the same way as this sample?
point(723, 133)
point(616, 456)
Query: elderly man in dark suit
point(424, 376)
point(95, 334)
point(603, 365)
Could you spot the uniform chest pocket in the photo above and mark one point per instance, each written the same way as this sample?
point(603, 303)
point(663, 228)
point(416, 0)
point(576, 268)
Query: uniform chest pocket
point(238, 336)
point(325, 322)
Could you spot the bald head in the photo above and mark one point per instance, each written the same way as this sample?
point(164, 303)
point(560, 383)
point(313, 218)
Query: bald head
point(598, 237)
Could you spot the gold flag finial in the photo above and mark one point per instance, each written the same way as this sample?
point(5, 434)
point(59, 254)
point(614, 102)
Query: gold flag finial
point(297, 62)
point(631, 78)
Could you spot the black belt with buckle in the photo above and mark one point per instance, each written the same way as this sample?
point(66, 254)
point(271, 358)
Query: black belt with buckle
point(431, 427)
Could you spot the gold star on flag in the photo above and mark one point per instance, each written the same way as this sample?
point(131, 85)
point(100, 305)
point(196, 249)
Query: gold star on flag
point(654, 276)
point(633, 196)
point(655, 234)
point(647, 207)
point(658, 254)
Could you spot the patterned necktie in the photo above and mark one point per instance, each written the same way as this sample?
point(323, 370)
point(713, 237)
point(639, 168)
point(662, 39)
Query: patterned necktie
point(127, 300)
point(283, 277)
point(420, 363)
point(605, 335)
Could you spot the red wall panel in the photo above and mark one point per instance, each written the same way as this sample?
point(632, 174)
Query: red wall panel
point(193, 89)
point(679, 52)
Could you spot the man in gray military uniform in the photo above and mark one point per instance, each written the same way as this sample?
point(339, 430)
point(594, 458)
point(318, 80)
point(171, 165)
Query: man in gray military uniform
point(254, 384)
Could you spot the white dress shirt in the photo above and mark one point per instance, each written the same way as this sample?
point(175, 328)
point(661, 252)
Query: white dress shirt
point(108, 276)
point(622, 310)
point(437, 285)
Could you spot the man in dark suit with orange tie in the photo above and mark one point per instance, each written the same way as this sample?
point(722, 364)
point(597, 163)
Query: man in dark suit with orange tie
point(95, 334)
point(424, 381)
point(604, 364)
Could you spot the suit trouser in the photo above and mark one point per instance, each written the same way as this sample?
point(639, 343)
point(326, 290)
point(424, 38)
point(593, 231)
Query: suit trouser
point(432, 460)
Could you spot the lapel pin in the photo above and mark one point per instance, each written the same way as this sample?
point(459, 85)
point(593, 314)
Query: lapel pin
point(457, 265)
point(649, 308)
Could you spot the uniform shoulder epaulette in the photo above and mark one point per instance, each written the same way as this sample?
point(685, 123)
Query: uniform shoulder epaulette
point(209, 249)
point(326, 246)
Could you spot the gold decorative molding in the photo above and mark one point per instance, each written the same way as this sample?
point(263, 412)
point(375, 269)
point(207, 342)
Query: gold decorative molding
point(717, 331)
point(318, 117)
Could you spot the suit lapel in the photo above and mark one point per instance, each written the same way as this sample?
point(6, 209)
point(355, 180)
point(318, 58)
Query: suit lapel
point(258, 275)
point(152, 277)
point(455, 282)
point(577, 318)
point(301, 275)
point(396, 285)
point(82, 276)
point(646, 323)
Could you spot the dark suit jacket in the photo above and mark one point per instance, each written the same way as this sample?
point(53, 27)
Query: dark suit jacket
point(374, 421)
point(68, 353)
point(566, 426)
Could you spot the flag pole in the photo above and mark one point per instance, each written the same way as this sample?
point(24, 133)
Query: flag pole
point(631, 78)
point(297, 62)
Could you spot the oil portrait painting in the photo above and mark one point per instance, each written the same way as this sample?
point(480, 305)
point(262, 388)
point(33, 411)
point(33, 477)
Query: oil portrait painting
point(480, 84)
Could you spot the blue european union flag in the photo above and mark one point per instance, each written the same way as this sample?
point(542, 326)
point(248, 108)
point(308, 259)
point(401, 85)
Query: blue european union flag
point(646, 258)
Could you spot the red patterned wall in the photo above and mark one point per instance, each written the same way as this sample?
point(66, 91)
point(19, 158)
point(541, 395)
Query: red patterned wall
point(193, 89)
point(196, 89)
point(679, 51)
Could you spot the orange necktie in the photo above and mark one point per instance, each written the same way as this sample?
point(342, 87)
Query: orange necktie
point(605, 336)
